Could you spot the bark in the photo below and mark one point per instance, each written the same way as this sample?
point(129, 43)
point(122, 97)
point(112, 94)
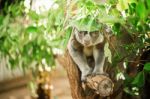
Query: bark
point(92, 88)
point(101, 85)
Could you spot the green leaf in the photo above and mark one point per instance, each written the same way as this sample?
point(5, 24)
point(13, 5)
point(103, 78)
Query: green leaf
point(141, 10)
point(116, 28)
point(90, 5)
point(87, 23)
point(122, 5)
point(31, 29)
point(131, 9)
point(147, 40)
point(147, 67)
point(6, 20)
point(148, 3)
point(33, 15)
point(111, 19)
point(139, 79)
point(67, 35)
point(1, 20)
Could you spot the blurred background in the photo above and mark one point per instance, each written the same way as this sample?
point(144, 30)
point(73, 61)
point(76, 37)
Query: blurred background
point(30, 38)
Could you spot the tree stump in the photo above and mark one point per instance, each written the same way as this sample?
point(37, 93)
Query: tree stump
point(96, 87)
point(101, 84)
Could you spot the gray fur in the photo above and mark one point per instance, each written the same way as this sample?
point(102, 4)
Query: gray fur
point(79, 57)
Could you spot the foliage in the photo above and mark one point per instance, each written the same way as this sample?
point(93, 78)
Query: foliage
point(136, 21)
point(29, 38)
point(123, 17)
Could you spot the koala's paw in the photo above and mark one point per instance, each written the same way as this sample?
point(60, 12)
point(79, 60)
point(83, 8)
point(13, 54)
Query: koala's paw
point(83, 78)
point(100, 73)
point(85, 74)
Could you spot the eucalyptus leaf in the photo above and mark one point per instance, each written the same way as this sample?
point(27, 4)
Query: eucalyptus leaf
point(122, 5)
point(139, 79)
point(147, 67)
point(31, 29)
point(67, 35)
point(86, 24)
point(148, 3)
point(6, 20)
point(33, 15)
point(1, 19)
point(141, 10)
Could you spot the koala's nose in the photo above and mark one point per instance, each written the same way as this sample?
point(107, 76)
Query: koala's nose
point(87, 40)
point(87, 37)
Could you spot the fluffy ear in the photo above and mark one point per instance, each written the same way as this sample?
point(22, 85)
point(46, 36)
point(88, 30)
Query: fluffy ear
point(77, 36)
point(76, 31)
point(100, 39)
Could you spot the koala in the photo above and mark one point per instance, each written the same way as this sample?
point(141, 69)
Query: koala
point(84, 44)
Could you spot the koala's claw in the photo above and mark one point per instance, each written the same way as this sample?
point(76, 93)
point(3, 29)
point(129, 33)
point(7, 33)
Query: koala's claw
point(84, 77)
point(85, 74)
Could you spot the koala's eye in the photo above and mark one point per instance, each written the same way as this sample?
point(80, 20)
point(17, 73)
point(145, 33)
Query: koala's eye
point(82, 32)
point(94, 34)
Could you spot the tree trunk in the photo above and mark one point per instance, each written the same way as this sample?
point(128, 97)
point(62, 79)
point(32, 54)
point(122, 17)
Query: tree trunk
point(94, 86)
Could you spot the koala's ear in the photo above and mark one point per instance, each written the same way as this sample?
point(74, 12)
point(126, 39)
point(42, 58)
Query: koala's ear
point(75, 31)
